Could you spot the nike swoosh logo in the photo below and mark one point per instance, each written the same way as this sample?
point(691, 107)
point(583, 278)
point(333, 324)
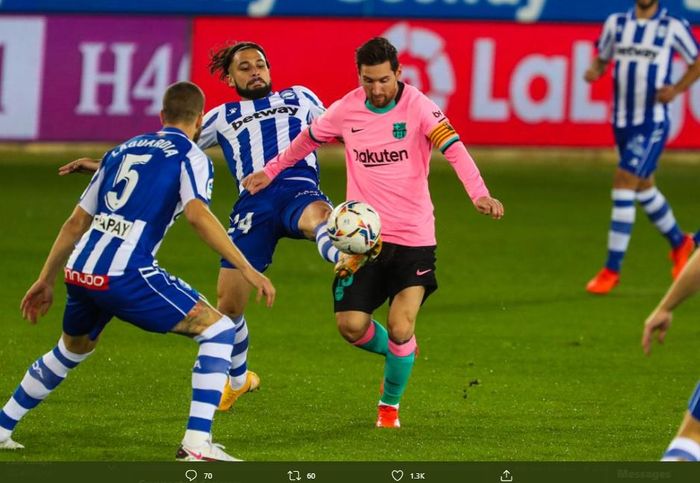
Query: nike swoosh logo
point(423, 272)
point(194, 455)
point(352, 129)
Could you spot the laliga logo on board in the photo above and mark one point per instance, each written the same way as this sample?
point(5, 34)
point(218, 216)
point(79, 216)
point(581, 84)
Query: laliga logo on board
point(428, 47)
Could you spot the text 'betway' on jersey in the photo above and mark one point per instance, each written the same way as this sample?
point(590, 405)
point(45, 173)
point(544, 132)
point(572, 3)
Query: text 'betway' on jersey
point(263, 114)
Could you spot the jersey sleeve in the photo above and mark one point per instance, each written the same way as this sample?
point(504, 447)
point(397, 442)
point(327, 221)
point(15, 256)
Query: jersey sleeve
point(316, 107)
point(207, 138)
point(89, 198)
point(683, 41)
point(327, 126)
point(606, 41)
point(196, 177)
point(435, 125)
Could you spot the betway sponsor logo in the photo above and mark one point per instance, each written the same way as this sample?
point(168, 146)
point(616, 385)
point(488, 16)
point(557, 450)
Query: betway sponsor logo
point(112, 225)
point(379, 158)
point(263, 114)
point(87, 280)
point(638, 52)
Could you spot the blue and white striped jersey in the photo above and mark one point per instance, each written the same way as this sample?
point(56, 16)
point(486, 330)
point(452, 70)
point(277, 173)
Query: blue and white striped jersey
point(141, 187)
point(643, 51)
point(251, 133)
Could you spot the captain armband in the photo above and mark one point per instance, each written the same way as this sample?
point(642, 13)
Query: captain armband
point(443, 136)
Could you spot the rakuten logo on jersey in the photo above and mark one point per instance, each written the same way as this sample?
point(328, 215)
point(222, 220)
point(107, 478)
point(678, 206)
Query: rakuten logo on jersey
point(87, 280)
point(372, 159)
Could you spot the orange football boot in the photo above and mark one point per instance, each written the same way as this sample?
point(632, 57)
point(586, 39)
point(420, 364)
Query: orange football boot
point(679, 256)
point(348, 264)
point(387, 417)
point(603, 282)
point(230, 396)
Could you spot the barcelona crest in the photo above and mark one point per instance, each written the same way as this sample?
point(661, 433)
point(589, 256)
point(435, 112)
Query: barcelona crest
point(399, 130)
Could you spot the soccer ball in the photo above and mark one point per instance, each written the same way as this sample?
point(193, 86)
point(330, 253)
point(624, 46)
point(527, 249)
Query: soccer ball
point(354, 227)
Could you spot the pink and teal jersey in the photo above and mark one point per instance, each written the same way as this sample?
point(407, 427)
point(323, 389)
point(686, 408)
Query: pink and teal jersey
point(387, 151)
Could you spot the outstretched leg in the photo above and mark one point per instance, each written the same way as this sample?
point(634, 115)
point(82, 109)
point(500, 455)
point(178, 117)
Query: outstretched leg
point(40, 380)
point(312, 224)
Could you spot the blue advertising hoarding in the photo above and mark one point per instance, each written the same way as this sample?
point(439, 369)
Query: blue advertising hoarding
point(519, 10)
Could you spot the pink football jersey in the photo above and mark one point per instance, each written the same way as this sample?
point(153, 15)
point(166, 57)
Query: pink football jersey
point(387, 152)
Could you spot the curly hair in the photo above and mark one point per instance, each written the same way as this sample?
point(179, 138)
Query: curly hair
point(220, 60)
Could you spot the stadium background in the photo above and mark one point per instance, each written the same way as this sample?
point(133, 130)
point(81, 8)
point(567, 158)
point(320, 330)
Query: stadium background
point(517, 362)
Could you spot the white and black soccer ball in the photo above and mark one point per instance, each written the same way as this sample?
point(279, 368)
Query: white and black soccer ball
point(354, 227)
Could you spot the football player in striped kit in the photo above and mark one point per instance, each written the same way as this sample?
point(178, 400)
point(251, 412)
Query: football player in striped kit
point(642, 43)
point(250, 133)
point(108, 246)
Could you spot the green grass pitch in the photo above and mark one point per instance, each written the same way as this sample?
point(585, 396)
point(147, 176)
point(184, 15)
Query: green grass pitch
point(516, 361)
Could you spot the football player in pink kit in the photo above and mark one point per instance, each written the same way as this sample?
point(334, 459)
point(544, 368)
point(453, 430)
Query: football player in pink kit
point(389, 129)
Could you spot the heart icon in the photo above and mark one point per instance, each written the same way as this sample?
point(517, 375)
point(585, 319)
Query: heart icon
point(397, 475)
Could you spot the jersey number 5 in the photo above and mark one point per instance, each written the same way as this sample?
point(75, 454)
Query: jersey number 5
point(126, 173)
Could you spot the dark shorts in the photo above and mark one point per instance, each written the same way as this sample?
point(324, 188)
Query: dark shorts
point(149, 298)
point(396, 268)
point(258, 221)
point(640, 147)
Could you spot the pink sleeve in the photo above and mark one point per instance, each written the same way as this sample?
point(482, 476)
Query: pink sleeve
point(436, 127)
point(430, 115)
point(300, 148)
point(326, 127)
point(466, 170)
point(321, 130)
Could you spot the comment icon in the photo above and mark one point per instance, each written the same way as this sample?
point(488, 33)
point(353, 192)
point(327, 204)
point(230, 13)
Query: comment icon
point(191, 475)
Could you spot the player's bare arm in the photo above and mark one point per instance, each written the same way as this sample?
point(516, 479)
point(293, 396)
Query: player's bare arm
point(80, 165)
point(213, 234)
point(667, 93)
point(659, 321)
point(596, 70)
point(37, 301)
